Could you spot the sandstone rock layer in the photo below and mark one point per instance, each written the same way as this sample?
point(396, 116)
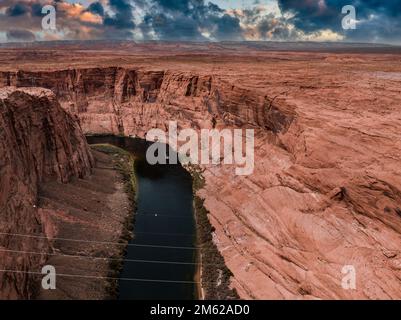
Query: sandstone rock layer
point(326, 190)
point(39, 142)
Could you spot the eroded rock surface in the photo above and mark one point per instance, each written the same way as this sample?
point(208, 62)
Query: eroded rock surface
point(39, 142)
point(326, 190)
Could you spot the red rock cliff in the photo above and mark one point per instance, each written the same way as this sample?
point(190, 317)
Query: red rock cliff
point(39, 142)
point(127, 101)
point(326, 191)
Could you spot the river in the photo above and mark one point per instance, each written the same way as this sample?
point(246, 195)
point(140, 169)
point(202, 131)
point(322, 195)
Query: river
point(164, 243)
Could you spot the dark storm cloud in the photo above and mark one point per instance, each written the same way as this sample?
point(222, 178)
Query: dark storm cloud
point(378, 20)
point(18, 9)
point(96, 8)
point(312, 15)
point(36, 10)
point(227, 28)
point(188, 19)
point(199, 20)
point(20, 35)
point(170, 28)
point(174, 5)
point(123, 17)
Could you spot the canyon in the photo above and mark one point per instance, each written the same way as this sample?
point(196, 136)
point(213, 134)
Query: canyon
point(53, 188)
point(326, 189)
point(37, 142)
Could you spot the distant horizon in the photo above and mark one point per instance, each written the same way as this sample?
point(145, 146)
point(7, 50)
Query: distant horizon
point(339, 43)
point(168, 47)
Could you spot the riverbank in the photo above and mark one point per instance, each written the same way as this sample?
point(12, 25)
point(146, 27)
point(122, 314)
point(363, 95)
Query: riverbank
point(91, 224)
point(161, 255)
point(124, 163)
point(213, 275)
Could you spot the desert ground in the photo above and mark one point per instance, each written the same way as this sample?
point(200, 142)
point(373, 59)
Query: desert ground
point(326, 189)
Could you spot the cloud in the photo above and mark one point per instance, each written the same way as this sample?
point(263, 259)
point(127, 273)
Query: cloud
point(16, 10)
point(74, 21)
point(258, 23)
point(20, 35)
point(96, 8)
point(167, 27)
point(199, 20)
point(377, 20)
point(273, 28)
point(188, 20)
point(227, 27)
point(123, 16)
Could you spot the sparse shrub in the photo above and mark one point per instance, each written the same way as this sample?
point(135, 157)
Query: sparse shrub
point(215, 274)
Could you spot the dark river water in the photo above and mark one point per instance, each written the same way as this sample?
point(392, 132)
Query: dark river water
point(164, 230)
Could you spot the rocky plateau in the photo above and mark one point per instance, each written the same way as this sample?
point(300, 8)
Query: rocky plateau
point(326, 189)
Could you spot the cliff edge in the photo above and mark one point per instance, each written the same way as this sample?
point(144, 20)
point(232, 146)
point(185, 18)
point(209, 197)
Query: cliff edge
point(39, 142)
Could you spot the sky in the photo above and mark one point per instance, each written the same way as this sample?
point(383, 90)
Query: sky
point(376, 21)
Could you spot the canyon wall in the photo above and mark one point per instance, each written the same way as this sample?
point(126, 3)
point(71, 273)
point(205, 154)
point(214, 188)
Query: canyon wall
point(326, 190)
point(127, 101)
point(39, 142)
